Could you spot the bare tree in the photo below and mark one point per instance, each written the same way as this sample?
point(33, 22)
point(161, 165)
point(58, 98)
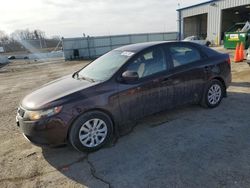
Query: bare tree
point(4, 38)
point(20, 34)
point(40, 34)
point(16, 41)
point(26, 34)
point(36, 34)
point(56, 37)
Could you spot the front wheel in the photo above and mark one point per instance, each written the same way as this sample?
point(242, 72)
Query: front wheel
point(213, 94)
point(91, 131)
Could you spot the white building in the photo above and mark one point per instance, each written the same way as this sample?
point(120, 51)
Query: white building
point(212, 18)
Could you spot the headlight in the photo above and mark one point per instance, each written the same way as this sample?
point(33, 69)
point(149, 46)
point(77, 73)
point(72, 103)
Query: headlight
point(36, 115)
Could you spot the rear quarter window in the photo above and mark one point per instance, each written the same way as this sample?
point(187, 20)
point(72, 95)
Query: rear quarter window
point(209, 52)
point(182, 55)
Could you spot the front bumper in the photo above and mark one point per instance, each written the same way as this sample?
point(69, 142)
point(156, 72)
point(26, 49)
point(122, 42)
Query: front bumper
point(45, 132)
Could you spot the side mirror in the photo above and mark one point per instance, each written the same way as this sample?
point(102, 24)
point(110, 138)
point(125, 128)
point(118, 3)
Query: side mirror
point(130, 76)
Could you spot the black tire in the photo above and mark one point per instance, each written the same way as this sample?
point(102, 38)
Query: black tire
point(79, 123)
point(205, 102)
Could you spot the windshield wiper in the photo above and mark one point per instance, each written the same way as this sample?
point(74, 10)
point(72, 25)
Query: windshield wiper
point(76, 74)
point(88, 79)
point(84, 78)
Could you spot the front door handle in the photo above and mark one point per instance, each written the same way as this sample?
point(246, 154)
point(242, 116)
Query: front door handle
point(170, 81)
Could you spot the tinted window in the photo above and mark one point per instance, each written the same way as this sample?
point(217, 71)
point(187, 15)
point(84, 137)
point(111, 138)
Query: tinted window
point(182, 55)
point(148, 63)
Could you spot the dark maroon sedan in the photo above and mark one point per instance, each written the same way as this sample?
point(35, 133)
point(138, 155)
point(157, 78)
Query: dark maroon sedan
point(99, 101)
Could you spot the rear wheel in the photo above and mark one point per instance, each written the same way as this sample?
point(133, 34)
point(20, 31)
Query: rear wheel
point(91, 131)
point(213, 94)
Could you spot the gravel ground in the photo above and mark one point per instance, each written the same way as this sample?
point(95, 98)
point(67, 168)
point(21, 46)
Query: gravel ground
point(187, 147)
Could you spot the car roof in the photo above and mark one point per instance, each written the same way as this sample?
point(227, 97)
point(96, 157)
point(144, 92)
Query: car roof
point(135, 48)
point(140, 46)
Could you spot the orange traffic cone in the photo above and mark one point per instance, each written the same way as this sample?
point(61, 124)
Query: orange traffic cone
point(237, 54)
point(242, 48)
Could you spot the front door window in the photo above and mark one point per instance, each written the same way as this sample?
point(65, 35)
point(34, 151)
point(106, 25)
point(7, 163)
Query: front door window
point(148, 63)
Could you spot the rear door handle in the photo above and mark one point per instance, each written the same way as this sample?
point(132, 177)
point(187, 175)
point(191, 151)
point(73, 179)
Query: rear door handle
point(165, 80)
point(207, 68)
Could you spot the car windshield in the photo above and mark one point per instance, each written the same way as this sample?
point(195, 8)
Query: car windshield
point(105, 66)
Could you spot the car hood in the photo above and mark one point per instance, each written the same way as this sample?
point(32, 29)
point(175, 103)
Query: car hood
point(54, 91)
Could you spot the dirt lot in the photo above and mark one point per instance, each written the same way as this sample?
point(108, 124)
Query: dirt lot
point(187, 147)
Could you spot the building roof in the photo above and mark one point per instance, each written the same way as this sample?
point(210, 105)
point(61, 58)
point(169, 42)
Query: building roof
point(192, 6)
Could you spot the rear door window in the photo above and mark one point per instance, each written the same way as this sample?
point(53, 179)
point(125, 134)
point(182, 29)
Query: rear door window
point(183, 54)
point(148, 63)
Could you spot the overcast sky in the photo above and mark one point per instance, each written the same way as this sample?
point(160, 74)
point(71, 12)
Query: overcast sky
point(72, 18)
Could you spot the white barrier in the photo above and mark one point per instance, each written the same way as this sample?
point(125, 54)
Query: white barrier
point(4, 60)
point(56, 54)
